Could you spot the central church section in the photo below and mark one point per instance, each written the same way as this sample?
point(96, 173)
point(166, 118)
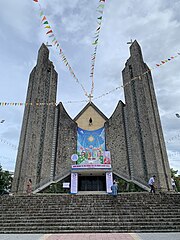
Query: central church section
point(92, 169)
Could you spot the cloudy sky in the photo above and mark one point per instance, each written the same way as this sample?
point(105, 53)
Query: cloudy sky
point(154, 24)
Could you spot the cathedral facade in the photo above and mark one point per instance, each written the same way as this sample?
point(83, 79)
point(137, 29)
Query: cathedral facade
point(91, 149)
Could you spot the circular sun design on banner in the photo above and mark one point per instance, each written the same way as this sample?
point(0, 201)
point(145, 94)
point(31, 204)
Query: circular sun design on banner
point(91, 138)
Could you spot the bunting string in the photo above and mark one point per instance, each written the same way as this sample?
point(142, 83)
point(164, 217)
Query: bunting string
point(27, 104)
point(76, 101)
point(174, 154)
point(100, 10)
point(6, 104)
point(104, 94)
point(21, 104)
point(50, 33)
point(173, 138)
point(139, 77)
point(166, 60)
point(8, 143)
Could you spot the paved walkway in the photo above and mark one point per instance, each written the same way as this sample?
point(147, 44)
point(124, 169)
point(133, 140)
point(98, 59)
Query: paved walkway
point(93, 236)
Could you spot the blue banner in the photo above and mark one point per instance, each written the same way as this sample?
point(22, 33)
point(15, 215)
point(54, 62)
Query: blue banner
point(90, 146)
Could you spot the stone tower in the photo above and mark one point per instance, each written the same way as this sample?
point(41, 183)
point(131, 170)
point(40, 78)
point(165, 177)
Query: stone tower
point(35, 146)
point(147, 152)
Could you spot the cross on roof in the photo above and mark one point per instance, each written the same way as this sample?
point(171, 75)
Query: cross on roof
point(90, 97)
point(130, 42)
point(48, 45)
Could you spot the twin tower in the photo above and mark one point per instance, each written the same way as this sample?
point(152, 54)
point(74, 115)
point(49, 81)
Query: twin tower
point(132, 137)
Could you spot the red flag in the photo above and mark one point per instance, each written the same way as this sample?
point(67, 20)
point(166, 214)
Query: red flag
point(163, 62)
point(35, 0)
point(157, 65)
point(49, 32)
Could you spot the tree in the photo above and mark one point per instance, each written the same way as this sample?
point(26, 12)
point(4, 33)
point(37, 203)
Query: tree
point(5, 180)
point(176, 178)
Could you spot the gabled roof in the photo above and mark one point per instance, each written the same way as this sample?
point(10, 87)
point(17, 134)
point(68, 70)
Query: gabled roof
point(95, 108)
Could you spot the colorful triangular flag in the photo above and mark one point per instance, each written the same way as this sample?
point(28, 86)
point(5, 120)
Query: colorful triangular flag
point(50, 31)
point(44, 18)
point(101, 6)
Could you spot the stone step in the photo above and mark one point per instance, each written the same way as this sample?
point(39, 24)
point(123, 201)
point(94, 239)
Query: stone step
point(90, 223)
point(94, 208)
point(88, 217)
point(90, 229)
point(100, 204)
point(142, 212)
point(85, 201)
point(128, 197)
point(50, 231)
point(91, 211)
point(85, 221)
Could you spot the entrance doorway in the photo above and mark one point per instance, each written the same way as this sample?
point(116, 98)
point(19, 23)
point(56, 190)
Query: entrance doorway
point(91, 183)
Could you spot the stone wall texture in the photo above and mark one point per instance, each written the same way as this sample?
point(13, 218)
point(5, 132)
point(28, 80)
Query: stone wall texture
point(66, 142)
point(116, 141)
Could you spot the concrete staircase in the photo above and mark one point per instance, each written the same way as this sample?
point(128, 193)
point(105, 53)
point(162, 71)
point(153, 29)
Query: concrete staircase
point(129, 212)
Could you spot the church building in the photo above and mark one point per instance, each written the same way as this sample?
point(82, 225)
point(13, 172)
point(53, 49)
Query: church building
point(91, 149)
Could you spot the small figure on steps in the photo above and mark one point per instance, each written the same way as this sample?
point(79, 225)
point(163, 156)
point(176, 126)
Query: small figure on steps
point(29, 187)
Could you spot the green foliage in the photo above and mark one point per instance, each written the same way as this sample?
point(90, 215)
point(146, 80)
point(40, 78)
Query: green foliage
point(57, 187)
point(176, 178)
point(124, 186)
point(5, 180)
point(173, 172)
